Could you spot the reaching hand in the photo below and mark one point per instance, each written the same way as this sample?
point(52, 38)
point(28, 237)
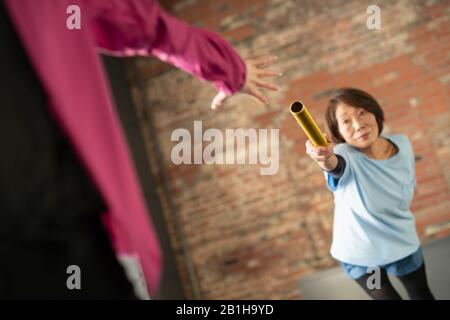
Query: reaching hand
point(319, 154)
point(323, 155)
point(256, 71)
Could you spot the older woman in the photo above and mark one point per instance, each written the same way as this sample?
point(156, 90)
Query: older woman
point(372, 177)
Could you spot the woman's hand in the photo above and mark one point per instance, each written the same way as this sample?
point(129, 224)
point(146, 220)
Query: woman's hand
point(255, 73)
point(323, 155)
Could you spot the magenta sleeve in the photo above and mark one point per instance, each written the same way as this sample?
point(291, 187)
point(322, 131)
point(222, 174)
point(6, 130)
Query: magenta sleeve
point(141, 27)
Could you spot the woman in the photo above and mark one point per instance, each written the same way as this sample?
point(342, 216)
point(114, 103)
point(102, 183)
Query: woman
point(373, 180)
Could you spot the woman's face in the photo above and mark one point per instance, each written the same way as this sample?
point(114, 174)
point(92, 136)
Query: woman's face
point(357, 126)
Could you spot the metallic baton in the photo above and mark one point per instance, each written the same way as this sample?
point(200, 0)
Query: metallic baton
point(306, 121)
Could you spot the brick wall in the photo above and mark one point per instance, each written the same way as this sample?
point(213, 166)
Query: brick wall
point(246, 236)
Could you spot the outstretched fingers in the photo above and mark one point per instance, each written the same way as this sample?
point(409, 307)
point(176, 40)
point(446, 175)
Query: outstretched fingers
point(254, 91)
point(263, 62)
point(268, 73)
point(266, 85)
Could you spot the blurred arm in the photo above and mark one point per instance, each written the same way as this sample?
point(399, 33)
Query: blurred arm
point(141, 27)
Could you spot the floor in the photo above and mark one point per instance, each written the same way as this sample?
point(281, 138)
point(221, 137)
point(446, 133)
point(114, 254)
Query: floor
point(333, 284)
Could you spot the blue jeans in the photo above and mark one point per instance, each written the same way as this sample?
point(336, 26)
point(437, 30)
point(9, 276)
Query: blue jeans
point(397, 268)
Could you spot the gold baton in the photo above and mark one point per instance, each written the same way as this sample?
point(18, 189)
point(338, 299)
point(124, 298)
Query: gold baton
point(306, 121)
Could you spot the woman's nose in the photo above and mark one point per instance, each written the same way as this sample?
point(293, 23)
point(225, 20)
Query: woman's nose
point(357, 125)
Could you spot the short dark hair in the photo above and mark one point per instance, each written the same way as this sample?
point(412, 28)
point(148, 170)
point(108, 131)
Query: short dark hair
point(355, 98)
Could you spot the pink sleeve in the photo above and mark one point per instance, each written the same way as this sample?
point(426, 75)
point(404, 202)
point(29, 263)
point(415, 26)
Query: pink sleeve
point(141, 27)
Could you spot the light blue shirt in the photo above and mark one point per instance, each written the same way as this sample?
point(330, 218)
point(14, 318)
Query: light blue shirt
point(372, 221)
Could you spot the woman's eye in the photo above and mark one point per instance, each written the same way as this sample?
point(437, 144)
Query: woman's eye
point(345, 122)
point(361, 113)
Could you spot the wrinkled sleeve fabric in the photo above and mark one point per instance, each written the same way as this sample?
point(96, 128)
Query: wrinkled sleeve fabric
point(142, 27)
point(334, 175)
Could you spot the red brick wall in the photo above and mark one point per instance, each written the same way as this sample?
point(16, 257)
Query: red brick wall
point(249, 236)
